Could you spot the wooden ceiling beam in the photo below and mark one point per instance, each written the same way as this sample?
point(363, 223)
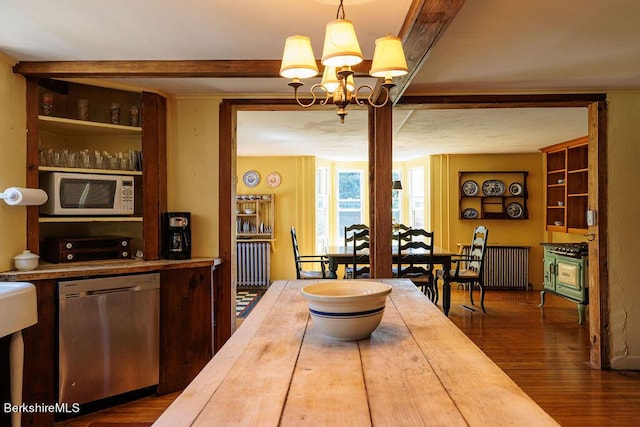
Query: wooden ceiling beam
point(164, 69)
point(424, 24)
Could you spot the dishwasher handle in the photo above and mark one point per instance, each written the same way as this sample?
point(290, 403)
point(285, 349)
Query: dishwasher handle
point(108, 285)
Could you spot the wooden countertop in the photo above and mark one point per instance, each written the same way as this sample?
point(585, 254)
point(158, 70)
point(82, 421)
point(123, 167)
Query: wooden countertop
point(102, 268)
point(417, 368)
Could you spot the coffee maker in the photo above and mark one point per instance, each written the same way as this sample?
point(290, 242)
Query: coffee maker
point(176, 242)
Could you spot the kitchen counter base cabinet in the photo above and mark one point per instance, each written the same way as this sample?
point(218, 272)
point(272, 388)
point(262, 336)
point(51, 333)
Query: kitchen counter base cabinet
point(185, 326)
point(185, 336)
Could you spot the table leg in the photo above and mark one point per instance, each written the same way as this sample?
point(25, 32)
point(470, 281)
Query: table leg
point(333, 268)
point(446, 286)
point(541, 299)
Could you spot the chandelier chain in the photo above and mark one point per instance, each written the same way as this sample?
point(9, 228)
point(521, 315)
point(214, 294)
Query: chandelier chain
point(340, 12)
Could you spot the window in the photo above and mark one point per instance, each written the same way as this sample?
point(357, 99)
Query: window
point(416, 197)
point(350, 201)
point(322, 209)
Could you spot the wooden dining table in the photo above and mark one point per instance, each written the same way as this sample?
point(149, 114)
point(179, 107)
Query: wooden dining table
point(343, 255)
point(416, 369)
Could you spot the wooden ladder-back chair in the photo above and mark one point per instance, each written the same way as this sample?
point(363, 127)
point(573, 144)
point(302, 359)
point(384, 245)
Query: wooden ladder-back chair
point(300, 260)
point(419, 271)
point(359, 268)
point(348, 238)
point(473, 270)
point(348, 232)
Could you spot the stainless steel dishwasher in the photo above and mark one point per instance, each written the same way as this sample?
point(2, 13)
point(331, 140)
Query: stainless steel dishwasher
point(108, 336)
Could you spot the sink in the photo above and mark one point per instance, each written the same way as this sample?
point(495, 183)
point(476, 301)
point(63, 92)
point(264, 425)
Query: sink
point(18, 306)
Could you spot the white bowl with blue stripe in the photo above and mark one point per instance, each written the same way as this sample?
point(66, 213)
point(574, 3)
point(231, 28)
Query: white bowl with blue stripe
point(346, 310)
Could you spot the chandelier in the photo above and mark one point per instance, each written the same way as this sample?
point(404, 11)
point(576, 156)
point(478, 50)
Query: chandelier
point(341, 51)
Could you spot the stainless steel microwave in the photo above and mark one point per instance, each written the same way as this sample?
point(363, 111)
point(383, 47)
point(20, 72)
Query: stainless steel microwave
point(87, 194)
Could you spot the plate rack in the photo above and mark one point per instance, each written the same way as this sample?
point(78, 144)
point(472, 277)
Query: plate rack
point(493, 195)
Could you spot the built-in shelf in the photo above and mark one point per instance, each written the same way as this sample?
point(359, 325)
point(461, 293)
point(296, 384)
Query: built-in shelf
point(62, 219)
point(64, 125)
point(567, 185)
point(84, 170)
point(58, 138)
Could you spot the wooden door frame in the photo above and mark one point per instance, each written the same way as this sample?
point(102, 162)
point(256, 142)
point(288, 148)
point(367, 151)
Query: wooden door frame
point(379, 124)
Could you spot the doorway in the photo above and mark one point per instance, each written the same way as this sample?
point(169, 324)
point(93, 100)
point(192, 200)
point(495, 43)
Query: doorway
point(597, 144)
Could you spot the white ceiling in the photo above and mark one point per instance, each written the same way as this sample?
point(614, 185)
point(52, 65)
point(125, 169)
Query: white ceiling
point(491, 46)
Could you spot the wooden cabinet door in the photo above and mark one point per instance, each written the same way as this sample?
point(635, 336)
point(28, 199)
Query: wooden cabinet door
point(185, 326)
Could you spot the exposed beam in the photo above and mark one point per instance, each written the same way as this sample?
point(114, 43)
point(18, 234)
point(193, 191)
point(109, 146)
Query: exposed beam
point(165, 69)
point(424, 24)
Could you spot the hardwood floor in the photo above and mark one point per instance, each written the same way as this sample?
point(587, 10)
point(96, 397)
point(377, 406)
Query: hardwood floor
point(544, 351)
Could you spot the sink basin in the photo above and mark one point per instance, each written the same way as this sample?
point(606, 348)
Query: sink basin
point(18, 306)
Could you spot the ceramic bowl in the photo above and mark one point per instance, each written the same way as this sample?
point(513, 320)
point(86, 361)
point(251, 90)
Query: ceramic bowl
point(558, 223)
point(26, 261)
point(249, 211)
point(346, 310)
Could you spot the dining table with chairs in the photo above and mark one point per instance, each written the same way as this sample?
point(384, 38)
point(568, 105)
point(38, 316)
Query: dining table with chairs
point(343, 255)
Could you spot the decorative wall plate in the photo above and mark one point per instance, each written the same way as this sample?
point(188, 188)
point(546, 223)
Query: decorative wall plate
point(516, 189)
point(469, 213)
point(273, 179)
point(493, 187)
point(514, 210)
point(469, 188)
point(251, 178)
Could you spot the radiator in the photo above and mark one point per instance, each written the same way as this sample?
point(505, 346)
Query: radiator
point(506, 267)
point(254, 263)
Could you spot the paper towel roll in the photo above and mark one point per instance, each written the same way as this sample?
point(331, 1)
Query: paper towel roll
point(24, 196)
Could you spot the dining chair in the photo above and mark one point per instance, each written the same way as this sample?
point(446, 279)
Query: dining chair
point(349, 230)
point(359, 268)
point(397, 227)
point(300, 260)
point(470, 268)
point(407, 266)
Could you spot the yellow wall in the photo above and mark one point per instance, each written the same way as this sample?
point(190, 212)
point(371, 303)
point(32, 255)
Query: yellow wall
point(13, 124)
point(623, 232)
point(445, 197)
point(192, 168)
point(294, 205)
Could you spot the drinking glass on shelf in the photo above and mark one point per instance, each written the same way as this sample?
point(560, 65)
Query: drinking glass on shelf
point(113, 163)
point(114, 111)
point(47, 104)
point(83, 109)
point(85, 159)
point(73, 160)
point(99, 161)
point(42, 158)
point(134, 115)
point(125, 163)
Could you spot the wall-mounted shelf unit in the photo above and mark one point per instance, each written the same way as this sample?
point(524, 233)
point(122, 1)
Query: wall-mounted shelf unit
point(493, 195)
point(62, 138)
point(567, 186)
point(255, 217)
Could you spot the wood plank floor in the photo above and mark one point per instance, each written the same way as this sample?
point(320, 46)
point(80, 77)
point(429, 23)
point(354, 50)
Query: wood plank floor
point(544, 351)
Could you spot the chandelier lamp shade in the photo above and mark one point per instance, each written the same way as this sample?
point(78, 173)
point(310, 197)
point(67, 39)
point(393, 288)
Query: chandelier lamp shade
point(340, 52)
